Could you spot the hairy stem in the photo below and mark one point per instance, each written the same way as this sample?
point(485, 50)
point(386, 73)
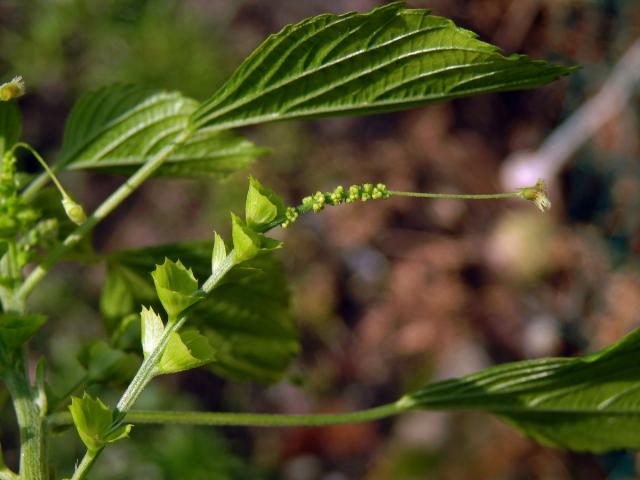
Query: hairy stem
point(85, 465)
point(115, 199)
point(145, 373)
point(33, 430)
point(247, 419)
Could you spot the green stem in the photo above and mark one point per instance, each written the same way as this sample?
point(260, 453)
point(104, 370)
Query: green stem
point(145, 373)
point(247, 419)
point(44, 165)
point(115, 199)
point(485, 196)
point(33, 464)
point(85, 465)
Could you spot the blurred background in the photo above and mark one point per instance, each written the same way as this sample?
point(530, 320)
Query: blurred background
point(387, 296)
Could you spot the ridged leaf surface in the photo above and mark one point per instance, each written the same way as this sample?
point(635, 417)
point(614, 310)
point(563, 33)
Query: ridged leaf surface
point(118, 128)
point(388, 59)
point(590, 403)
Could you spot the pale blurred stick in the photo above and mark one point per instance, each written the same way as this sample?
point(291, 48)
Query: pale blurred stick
point(524, 168)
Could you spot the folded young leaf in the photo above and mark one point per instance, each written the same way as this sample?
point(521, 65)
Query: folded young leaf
point(262, 205)
point(219, 253)
point(93, 419)
point(391, 58)
point(117, 128)
point(10, 125)
point(590, 403)
point(176, 286)
point(186, 350)
point(151, 327)
point(248, 243)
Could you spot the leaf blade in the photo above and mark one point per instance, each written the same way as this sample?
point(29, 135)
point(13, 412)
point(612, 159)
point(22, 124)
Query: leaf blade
point(117, 128)
point(388, 59)
point(589, 403)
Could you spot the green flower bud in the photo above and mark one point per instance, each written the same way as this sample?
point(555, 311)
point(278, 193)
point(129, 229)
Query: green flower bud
point(74, 210)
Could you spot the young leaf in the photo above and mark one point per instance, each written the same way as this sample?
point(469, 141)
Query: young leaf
point(247, 243)
point(262, 206)
point(17, 329)
point(176, 286)
point(246, 317)
point(151, 330)
point(590, 403)
point(117, 128)
point(185, 350)
point(388, 59)
point(219, 253)
point(10, 126)
point(93, 420)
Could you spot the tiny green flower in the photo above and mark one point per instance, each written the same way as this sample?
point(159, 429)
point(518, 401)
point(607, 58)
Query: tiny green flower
point(536, 194)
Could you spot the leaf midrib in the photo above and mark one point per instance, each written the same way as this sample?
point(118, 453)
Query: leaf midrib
point(249, 98)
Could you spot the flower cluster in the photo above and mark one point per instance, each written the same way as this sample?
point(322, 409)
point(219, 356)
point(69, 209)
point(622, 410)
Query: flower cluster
point(319, 200)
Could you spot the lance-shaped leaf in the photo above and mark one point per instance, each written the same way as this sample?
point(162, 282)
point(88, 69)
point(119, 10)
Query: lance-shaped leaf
point(388, 59)
point(117, 128)
point(10, 125)
point(246, 317)
point(176, 286)
point(590, 403)
point(93, 420)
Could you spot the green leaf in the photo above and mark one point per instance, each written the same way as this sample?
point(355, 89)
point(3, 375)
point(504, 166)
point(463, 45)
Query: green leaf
point(590, 403)
point(122, 289)
point(117, 128)
point(10, 126)
point(248, 243)
point(186, 350)
point(248, 322)
point(105, 364)
point(391, 58)
point(262, 206)
point(17, 329)
point(246, 317)
point(219, 253)
point(93, 420)
point(176, 287)
point(151, 328)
